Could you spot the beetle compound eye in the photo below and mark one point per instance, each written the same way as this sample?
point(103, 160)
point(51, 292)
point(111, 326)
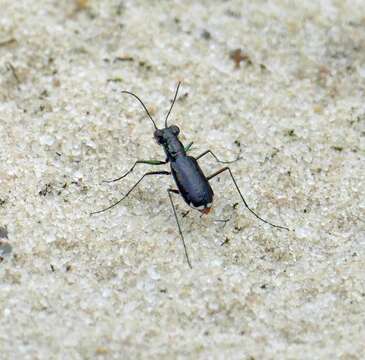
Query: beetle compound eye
point(158, 135)
point(175, 129)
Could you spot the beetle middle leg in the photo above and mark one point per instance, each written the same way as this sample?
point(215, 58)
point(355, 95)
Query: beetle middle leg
point(244, 201)
point(149, 162)
point(132, 188)
point(169, 191)
point(216, 158)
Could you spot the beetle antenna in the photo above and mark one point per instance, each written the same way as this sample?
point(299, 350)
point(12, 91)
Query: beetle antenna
point(144, 106)
point(173, 102)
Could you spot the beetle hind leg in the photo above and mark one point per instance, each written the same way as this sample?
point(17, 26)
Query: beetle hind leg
point(243, 199)
point(169, 191)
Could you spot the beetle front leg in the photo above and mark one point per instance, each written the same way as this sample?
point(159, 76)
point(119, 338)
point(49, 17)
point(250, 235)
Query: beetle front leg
point(216, 158)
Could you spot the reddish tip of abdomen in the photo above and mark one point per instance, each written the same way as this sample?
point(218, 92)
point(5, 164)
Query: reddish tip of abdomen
point(206, 210)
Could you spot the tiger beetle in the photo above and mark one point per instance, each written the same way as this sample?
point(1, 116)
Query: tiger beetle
point(190, 180)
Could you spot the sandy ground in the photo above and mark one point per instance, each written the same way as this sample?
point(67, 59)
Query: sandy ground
point(281, 82)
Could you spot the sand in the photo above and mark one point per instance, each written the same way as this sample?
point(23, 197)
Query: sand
point(281, 83)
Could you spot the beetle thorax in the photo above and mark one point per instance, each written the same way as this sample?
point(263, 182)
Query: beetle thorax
point(168, 138)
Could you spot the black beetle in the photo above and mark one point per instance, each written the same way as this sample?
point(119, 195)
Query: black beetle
point(190, 180)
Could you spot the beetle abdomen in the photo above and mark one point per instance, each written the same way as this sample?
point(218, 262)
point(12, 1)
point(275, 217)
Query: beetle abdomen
point(192, 183)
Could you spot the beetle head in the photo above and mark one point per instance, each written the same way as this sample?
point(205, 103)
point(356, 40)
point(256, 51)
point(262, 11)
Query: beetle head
point(163, 136)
